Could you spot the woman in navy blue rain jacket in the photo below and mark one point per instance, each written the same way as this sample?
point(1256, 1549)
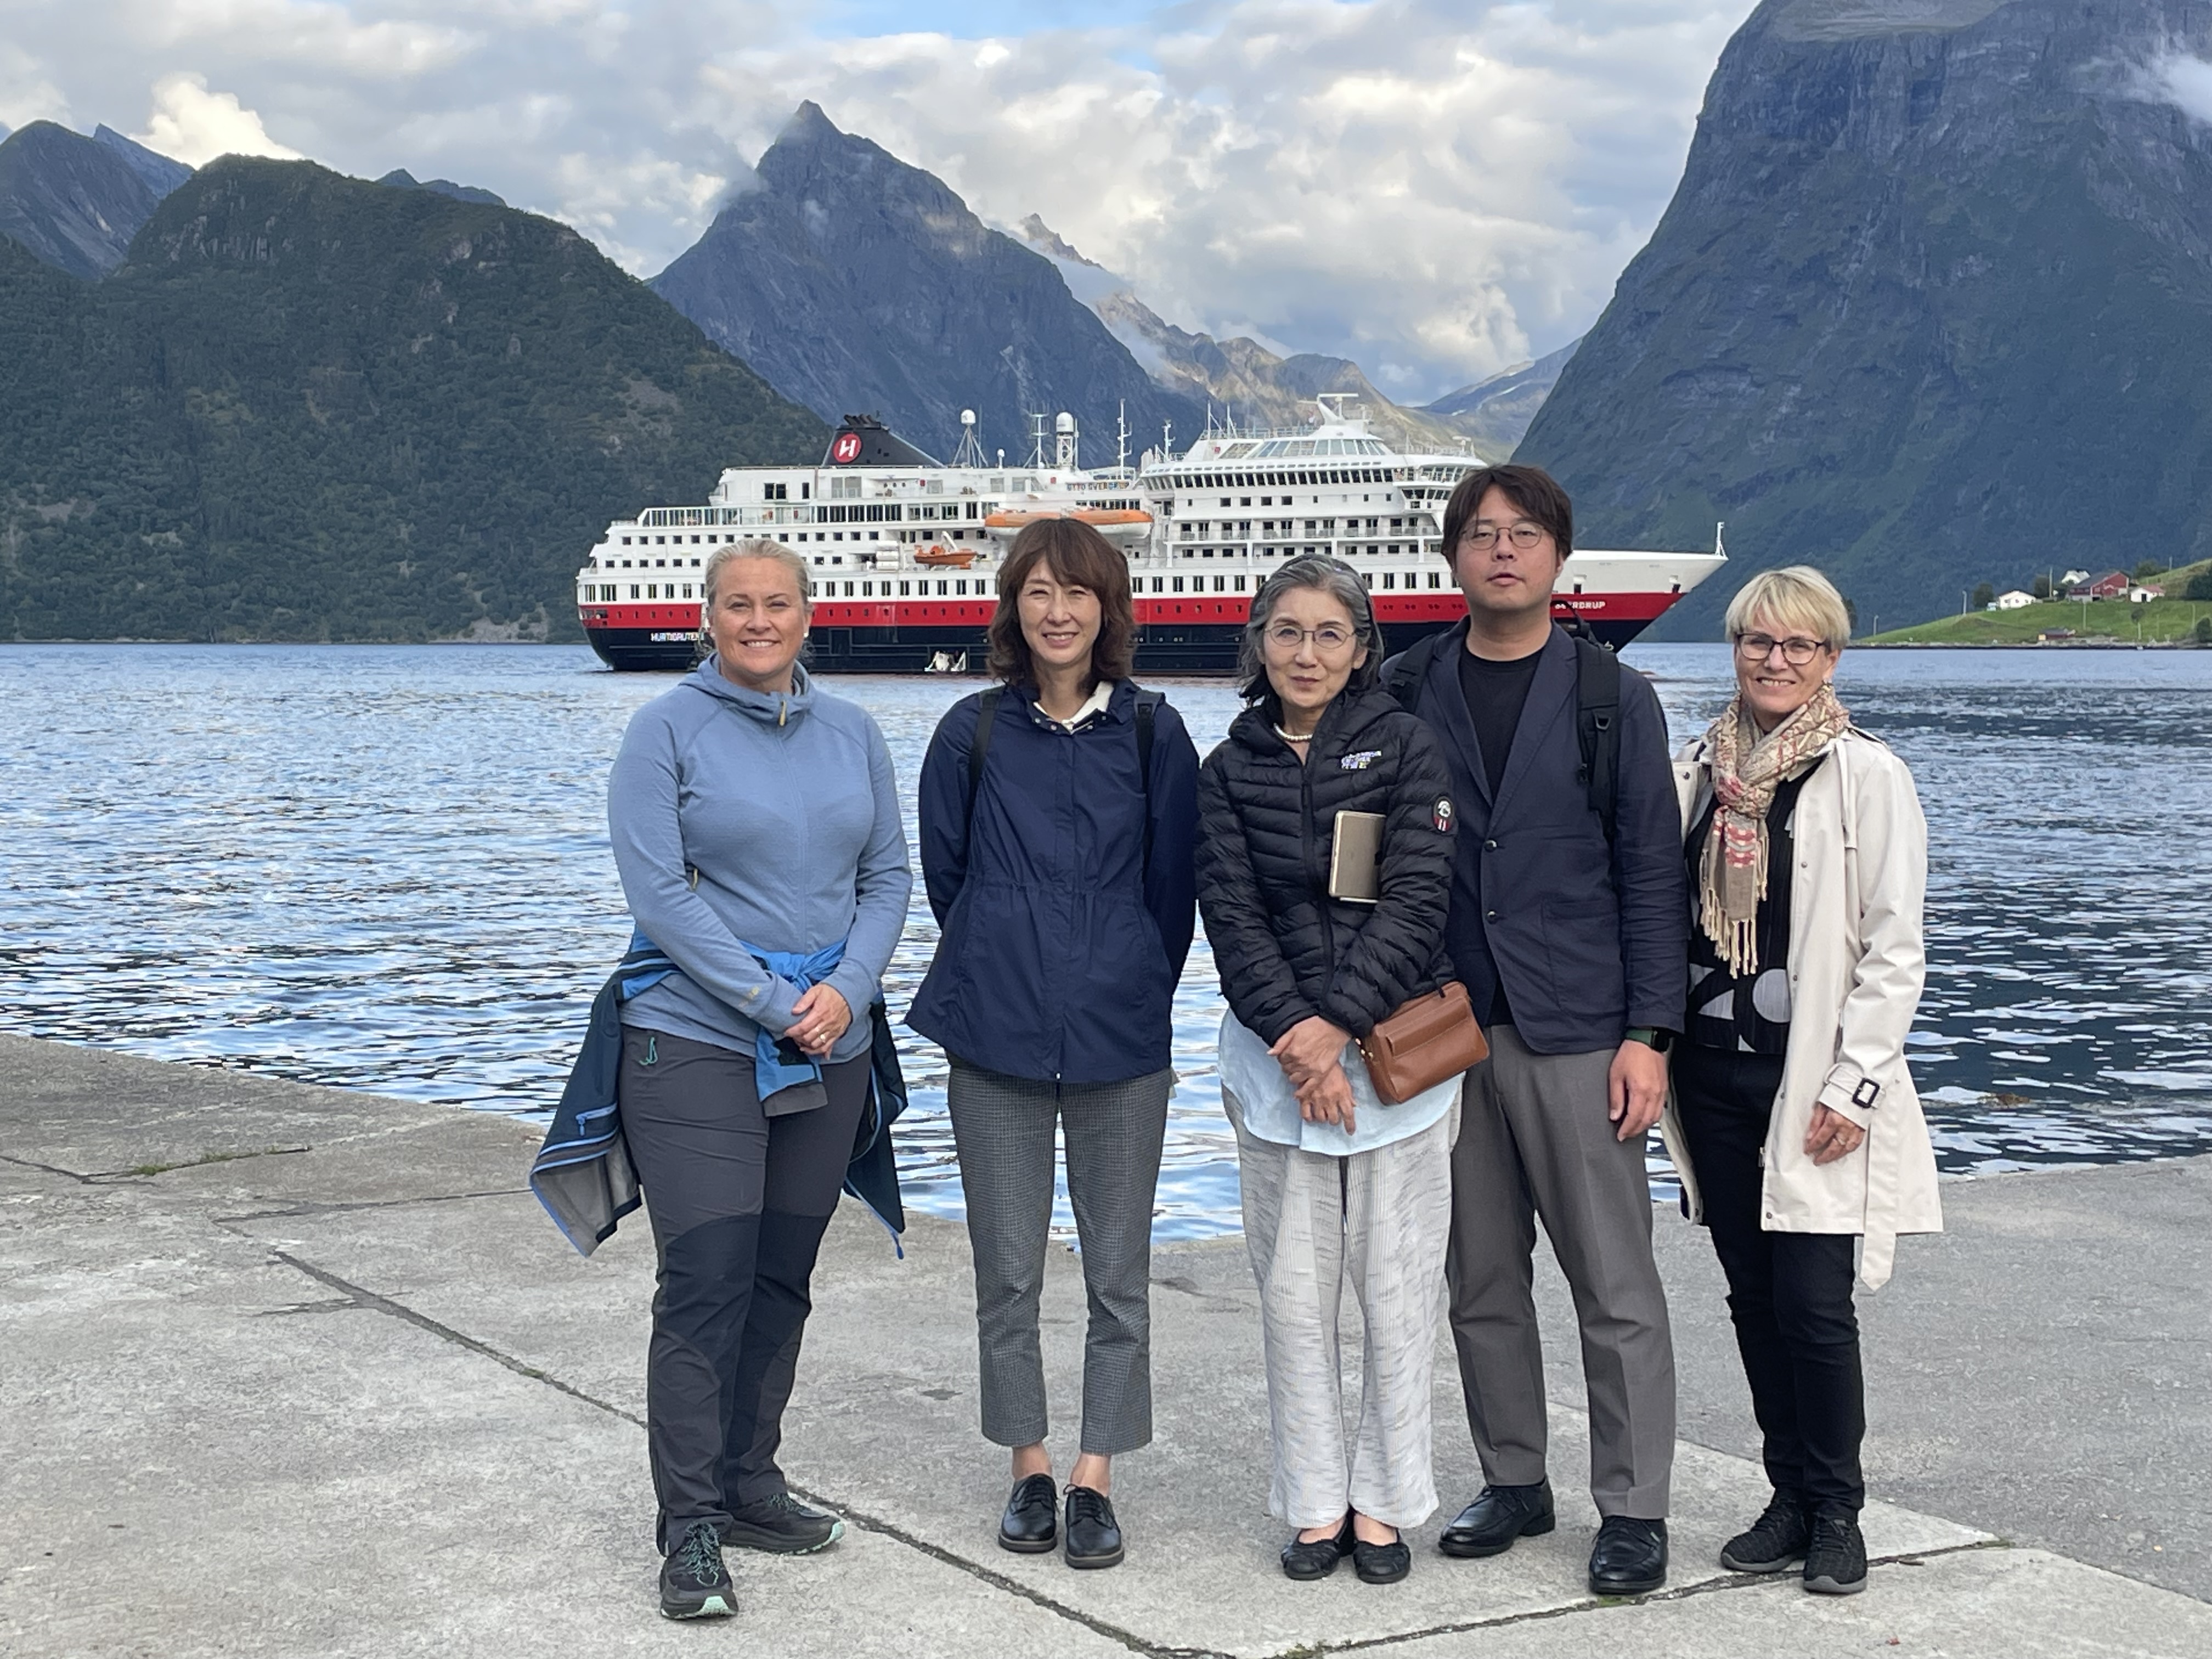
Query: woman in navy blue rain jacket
point(1060, 871)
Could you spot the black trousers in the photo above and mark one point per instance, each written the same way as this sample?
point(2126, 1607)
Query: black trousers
point(739, 1202)
point(1790, 1293)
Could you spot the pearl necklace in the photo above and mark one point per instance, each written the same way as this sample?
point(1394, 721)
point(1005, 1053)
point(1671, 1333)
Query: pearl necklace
point(1293, 736)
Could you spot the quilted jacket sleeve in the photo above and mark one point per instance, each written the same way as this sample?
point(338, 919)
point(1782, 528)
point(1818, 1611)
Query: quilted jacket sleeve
point(1256, 977)
point(1397, 952)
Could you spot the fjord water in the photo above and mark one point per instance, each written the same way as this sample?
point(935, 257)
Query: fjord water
point(387, 868)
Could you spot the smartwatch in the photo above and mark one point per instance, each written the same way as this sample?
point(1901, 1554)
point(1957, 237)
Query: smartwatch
point(1657, 1038)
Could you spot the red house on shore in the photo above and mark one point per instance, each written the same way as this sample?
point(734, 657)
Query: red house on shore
point(2112, 584)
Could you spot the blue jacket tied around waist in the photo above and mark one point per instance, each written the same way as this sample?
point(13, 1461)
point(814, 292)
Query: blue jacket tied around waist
point(1060, 947)
point(583, 1176)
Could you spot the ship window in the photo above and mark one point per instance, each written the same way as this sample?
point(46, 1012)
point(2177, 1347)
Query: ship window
point(1389, 579)
point(660, 541)
point(941, 588)
point(687, 590)
point(848, 590)
point(873, 536)
point(695, 564)
point(632, 590)
point(1221, 584)
point(1157, 582)
point(625, 541)
point(905, 590)
point(1367, 577)
point(1225, 501)
point(1178, 584)
point(1435, 579)
point(1240, 584)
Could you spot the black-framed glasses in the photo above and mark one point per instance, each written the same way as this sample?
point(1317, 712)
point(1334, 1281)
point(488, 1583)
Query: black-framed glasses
point(1329, 639)
point(1797, 651)
point(1524, 536)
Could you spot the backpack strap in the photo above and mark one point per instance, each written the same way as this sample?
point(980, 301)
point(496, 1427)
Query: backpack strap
point(987, 716)
point(1597, 728)
point(1148, 703)
point(1409, 670)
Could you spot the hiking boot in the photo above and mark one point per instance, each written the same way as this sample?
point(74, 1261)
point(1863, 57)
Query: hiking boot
point(782, 1525)
point(1776, 1541)
point(694, 1582)
point(1835, 1560)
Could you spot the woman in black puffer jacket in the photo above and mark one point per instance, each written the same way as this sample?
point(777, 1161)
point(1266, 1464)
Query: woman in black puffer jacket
point(1337, 1185)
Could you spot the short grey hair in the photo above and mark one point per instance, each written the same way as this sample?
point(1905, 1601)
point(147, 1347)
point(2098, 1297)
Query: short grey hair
point(1326, 575)
point(757, 548)
point(1794, 596)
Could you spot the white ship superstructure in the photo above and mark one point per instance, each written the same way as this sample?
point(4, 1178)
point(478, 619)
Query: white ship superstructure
point(904, 549)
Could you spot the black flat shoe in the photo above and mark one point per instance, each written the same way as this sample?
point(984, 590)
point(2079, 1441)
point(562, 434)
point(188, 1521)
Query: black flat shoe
point(1031, 1525)
point(1498, 1515)
point(1630, 1556)
point(1094, 1536)
point(1317, 1559)
point(1380, 1564)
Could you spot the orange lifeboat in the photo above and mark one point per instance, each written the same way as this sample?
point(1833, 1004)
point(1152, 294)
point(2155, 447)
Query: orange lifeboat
point(1110, 520)
point(952, 558)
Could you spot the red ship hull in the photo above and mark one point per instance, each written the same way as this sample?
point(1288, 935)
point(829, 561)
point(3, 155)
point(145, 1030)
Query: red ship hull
point(1186, 634)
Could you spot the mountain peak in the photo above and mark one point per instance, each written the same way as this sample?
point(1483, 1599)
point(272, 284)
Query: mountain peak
point(854, 280)
point(74, 203)
point(157, 172)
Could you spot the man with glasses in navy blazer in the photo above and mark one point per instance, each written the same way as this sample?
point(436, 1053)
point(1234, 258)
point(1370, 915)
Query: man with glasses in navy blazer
point(1570, 933)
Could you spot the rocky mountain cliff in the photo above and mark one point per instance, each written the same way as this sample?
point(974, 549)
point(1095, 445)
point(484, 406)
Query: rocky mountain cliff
point(854, 283)
point(251, 429)
point(76, 201)
point(1932, 304)
point(1494, 414)
point(1242, 377)
point(400, 179)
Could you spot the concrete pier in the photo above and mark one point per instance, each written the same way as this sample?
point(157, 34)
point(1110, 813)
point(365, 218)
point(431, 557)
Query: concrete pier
point(295, 1371)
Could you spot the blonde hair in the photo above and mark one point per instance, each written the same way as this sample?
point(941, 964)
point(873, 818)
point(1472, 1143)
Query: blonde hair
point(757, 548)
point(1796, 596)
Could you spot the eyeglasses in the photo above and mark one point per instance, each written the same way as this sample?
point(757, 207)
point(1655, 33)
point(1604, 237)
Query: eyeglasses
point(1329, 639)
point(1758, 648)
point(1483, 537)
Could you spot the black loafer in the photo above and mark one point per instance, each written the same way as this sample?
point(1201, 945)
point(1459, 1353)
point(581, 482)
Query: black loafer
point(1380, 1564)
point(1094, 1536)
point(1498, 1515)
point(1630, 1556)
point(1031, 1525)
point(1305, 1561)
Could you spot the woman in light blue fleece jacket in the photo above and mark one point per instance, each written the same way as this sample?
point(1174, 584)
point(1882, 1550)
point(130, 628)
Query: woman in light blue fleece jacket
point(756, 826)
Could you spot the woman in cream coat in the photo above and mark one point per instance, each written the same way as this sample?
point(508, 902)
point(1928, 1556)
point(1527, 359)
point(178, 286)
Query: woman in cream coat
point(1793, 1120)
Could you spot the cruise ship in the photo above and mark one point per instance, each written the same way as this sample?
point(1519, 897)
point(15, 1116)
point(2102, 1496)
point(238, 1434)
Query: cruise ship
point(905, 549)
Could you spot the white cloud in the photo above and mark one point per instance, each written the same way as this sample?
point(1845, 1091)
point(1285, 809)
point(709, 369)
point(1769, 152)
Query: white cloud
point(1434, 187)
point(196, 126)
point(2183, 81)
point(26, 92)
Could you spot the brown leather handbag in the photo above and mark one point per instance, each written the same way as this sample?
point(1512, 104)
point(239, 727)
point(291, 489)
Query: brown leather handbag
point(1430, 1039)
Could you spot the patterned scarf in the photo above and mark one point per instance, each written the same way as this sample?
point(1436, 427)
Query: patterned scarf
point(1746, 767)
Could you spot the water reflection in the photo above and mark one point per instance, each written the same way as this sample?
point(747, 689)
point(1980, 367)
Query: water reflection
point(387, 868)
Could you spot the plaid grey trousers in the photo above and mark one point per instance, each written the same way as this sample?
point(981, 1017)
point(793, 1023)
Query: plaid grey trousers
point(1003, 1127)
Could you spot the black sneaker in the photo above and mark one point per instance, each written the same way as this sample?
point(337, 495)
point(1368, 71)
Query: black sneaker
point(694, 1582)
point(782, 1526)
point(1835, 1560)
point(1776, 1541)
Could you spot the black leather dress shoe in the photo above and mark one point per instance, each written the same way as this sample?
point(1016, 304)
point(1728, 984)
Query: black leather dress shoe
point(1630, 1556)
point(1094, 1536)
point(1317, 1559)
point(1500, 1515)
point(1031, 1525)
point(1380, 1564)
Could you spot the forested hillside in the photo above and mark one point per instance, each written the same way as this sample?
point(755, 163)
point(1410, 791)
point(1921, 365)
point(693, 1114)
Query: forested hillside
point(309, 407)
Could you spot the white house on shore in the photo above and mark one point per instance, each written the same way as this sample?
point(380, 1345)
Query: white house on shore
point(2015, 600)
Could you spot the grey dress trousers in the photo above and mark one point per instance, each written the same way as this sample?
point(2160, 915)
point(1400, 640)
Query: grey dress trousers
point(1004, 1127)
point(1535, 1140)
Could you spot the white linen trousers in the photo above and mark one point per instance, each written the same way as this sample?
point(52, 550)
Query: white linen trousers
point(1381, 1220)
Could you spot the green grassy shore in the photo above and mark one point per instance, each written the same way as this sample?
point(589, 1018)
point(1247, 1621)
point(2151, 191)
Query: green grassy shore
point(2101, 622)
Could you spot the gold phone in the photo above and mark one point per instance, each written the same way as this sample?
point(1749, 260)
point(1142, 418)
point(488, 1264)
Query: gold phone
point(1355, 859)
